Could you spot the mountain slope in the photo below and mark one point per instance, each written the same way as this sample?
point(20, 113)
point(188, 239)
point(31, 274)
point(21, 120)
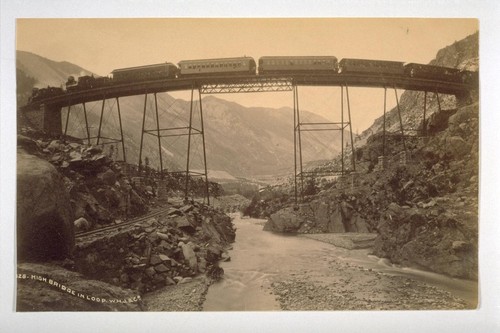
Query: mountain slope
point(47, 72)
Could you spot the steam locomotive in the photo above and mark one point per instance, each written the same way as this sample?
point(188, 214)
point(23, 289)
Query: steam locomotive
point(267, 65)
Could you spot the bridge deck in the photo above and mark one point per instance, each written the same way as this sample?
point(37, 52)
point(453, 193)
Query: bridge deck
point(252, 83)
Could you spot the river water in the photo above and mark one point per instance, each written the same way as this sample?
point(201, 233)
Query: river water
point(259, 257)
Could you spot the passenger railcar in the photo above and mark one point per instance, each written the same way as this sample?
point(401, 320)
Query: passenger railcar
point(431, 72)
point(222, 66)
point(366, 66)
point(165, 70)
point(280, 65)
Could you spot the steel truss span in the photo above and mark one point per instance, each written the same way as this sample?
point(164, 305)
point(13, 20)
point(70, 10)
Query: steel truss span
point(249, 86)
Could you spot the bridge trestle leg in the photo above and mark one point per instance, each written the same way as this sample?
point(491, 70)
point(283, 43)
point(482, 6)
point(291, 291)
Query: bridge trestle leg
point(350, 129)
point(87, 129)
point(189, 143)
point(142, 131)
point(67, 120)
point(384, 128)
point(400, 121)
point(439, 102)
point(159, 136)
point(295, 145)
point(100, 121)
point(342, 127)
point(299, 136)
point(207, 188)
point(121, 129)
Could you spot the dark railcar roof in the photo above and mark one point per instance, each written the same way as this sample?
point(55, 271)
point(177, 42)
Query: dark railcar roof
point(142, 67)
point(297, 58)
point(371, 61)
point(412, 64)
point(217, 59)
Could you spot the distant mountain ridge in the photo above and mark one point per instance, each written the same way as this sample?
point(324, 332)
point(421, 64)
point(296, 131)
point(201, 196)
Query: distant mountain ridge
point(46, 71)
point(242, 141)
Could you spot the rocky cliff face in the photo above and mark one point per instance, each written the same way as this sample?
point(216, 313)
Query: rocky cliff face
point(463, 54)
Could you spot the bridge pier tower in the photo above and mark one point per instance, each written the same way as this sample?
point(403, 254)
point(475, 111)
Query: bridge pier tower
point(299, 127)
point(73, 111)
point(47, 118)
point(173, 131)
point(51, 119)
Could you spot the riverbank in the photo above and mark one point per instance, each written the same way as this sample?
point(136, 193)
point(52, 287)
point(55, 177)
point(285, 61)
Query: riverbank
point(352, 287)
point(273, 272)
point(270, 271)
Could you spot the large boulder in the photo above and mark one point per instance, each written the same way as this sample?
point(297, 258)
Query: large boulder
point(44, 214)
point(285, 220)
point(189, 255)
point(108, 177)
point(457, 147)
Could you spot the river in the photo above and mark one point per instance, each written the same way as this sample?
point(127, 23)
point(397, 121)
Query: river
point(270, 271)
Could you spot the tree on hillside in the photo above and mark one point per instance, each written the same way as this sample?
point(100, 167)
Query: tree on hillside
point(310, 186)
point(25, 86)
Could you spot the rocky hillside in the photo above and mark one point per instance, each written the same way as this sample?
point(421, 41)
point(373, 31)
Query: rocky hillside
point(463, 54)
point(239, 140)
point(423, 205)
point(65, 187)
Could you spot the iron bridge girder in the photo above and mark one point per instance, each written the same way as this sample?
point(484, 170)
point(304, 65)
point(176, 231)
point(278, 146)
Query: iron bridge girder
point(248, 86)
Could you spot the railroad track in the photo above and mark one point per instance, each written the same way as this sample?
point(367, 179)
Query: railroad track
point(122, 225)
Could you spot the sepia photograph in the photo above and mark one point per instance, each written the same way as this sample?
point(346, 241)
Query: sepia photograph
point(261, 165)
point(247, 176)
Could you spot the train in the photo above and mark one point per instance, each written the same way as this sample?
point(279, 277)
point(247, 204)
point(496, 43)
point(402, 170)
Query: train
point(267, 65)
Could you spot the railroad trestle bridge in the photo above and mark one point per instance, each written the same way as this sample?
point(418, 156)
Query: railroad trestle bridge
point(48, 112)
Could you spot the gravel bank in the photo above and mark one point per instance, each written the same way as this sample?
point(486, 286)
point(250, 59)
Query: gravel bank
point(187, 296)
point(351, 287)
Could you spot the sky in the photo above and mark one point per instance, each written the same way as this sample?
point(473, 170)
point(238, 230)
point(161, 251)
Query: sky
point(101, 45)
